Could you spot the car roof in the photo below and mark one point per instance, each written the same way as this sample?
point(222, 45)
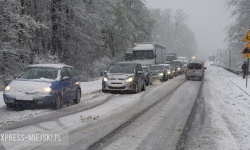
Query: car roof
point(195, 61)
point(164, 64)
point(50, 65)
point(125, 63)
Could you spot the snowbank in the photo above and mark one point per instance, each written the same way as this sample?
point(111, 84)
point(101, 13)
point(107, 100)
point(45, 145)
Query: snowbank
point(90, 87)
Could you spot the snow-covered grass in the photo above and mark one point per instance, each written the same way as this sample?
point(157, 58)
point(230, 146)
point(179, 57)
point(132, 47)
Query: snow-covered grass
point(90, 87)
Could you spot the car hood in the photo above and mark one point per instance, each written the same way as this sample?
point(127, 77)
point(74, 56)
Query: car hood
point(28, 86)
point(119, 76)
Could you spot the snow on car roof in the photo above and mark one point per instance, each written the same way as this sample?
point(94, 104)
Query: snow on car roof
point(50, 65)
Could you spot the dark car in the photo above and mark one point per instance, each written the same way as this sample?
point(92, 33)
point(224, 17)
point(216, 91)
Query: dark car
point(178, 65)
point(44, 84)
point(148, 75)
point(124, 76)
point(159, 72)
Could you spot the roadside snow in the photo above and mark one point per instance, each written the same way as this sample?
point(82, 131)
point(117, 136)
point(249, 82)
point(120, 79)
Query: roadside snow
point(1, 99)
point(90, 87)
point(227, 112)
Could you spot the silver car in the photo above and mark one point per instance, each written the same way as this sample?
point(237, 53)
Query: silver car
point(124, 76)
point(195, 70)
point(159, 72)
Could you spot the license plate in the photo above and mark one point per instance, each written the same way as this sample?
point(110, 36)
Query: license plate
point(24, 98)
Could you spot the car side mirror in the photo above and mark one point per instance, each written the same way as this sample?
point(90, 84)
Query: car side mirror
point(15, 76)
point(205, 68)
point(65, 78)
point(105, 73)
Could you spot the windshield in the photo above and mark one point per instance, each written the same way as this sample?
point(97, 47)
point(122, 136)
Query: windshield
point(176, 63)
point(39, 72)
point(170, 58)
point(166, 67)
point(194, 66)
point(145, 69)
point(156, 68)
point(143, 54)
point(126, 68)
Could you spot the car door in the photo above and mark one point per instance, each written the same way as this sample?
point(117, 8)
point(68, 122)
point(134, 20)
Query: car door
point(140, 75)
point(73, 82)
point(66, 89)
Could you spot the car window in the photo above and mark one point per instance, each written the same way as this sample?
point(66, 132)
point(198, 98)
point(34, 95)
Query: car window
point(64, 73)
point(139, 68)
point(71, 72)
point(194, 66)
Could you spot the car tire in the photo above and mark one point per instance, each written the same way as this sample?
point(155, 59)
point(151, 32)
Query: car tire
point(58, 102)
point(9, 105)
point(143, 87)
point(104, 91)
point(147, 82)
point(78, 97)
point(135, 90)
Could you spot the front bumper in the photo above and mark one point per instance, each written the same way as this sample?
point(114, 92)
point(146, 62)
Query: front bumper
point(118, 85)
point(36, 98)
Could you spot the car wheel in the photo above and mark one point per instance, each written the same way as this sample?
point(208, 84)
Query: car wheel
point(9, 105)
point(143, 87)
point(78, 97)
point(135, 88)
point(104, 91)
point(147, 82)
point(58, 102)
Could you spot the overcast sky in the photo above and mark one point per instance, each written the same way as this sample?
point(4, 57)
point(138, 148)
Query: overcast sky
point(207, 18)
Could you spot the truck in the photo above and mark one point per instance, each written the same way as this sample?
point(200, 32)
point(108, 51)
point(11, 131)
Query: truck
point(149, 54)
point(170, 57)
point(129, 54)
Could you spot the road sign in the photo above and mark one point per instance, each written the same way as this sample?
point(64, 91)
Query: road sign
point(247, 55)
point(246, 37)
point(246, 49)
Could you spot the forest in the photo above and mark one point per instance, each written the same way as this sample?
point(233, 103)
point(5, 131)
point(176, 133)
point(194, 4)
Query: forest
point(86, 34)
point(240, 12)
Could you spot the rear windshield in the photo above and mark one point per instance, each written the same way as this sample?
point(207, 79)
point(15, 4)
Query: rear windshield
point(39, 72)
point(194, 66)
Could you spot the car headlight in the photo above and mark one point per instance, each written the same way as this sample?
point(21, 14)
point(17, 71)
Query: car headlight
point(105, 79)
point(7, 88)
point(130, 79)
point(179, 68)
point(173, 71)
point(47, 90)
point(161, 74)
point(169, 72)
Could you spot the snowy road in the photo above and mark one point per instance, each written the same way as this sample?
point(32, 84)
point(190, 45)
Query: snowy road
point(122, 119)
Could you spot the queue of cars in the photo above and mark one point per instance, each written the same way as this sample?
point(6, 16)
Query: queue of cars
point(54, 84)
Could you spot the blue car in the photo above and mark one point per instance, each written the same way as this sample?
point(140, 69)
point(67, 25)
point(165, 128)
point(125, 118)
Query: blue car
point(51, 84)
